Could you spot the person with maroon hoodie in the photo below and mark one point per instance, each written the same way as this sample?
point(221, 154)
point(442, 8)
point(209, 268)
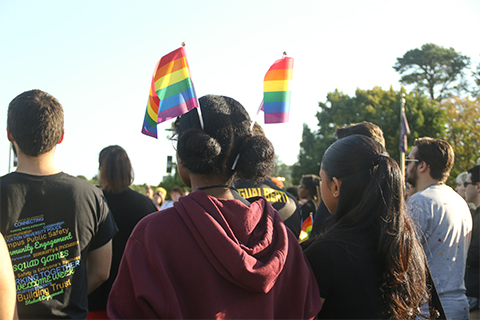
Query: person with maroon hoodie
point(215, 255)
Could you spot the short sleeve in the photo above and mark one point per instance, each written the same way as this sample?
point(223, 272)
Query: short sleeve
point(421, 217)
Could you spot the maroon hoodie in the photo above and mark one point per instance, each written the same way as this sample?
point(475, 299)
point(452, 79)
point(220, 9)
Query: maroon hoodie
point(209, 258)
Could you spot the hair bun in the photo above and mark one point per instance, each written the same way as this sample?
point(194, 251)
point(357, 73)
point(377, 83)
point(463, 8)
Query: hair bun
point(198, 151)
point(257, 158)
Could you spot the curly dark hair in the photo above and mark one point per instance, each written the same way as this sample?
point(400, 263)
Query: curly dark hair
point(227, 134)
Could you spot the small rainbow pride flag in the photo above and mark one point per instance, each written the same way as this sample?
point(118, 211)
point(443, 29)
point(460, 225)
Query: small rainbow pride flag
point(277, 88)
point(171, 92)
point(307, 226)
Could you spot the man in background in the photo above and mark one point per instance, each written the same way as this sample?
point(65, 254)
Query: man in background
point(58, 228)
point(443, 220)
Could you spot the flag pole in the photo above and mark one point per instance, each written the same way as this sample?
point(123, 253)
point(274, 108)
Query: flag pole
point(200, 117)
point(402, 153)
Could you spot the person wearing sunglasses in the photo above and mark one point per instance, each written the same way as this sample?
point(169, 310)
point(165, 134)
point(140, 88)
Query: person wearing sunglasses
point(443, 219)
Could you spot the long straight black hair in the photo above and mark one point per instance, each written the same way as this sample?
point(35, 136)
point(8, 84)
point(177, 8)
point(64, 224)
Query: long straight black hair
point(372, 203)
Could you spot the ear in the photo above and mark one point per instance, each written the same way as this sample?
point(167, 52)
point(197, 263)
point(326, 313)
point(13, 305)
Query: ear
point(9, 135)
point(61, 138)
point(423, 167)
point(335, 185)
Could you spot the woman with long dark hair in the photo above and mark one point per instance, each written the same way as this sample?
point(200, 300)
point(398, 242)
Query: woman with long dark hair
point(127, 206)
point(214, 254)
point(309, 190)
point(370, 264)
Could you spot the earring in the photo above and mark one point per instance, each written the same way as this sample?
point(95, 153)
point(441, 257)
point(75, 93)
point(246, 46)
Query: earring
point(335, 194)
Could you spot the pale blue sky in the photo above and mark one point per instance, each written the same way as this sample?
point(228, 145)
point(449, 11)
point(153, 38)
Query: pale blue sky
point(97, 59)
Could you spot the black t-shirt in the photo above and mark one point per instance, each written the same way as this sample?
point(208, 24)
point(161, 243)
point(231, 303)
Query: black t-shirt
point(348, 277)
point(128, 208)
point(308, 208)
point(282, 201)
point(472, 274)
point(50, 223)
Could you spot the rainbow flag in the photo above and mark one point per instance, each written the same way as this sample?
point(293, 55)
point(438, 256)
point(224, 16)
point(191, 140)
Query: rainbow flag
point(307, 226)
point(171, 92)
point(277, 88)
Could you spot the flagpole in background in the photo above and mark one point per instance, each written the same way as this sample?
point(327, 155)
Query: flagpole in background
point(404, 130)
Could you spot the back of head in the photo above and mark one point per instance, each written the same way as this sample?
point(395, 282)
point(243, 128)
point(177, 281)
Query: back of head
point(475, 172)
point(438, 154)
point(226, 135)
point(116, 171)
point(35, 120)
point(363, 128)
point(371, 180)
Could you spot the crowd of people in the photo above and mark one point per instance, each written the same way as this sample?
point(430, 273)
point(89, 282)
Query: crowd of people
point(380, 245)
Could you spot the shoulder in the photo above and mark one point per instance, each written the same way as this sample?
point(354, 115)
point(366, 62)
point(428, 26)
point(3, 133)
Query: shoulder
point(323, 247)
point(160, 222)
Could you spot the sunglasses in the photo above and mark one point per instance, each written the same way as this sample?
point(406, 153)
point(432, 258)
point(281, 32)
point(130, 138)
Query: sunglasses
point(407, 160)
point(466, 183)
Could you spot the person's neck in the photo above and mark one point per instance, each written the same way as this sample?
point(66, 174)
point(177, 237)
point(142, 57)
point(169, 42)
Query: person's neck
point(221, 191)
point(42, 165)
point(426, 182)
point(477, 201)
point(221, 187)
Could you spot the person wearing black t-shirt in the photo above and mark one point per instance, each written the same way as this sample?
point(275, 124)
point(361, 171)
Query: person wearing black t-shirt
point(54, 224)
point(127, 206)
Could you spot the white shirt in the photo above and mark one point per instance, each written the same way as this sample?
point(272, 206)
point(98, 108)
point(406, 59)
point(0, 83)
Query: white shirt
point(444, 226)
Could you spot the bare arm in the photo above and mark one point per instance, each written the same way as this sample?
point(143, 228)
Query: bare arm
point(8, 299)
point(98, 266)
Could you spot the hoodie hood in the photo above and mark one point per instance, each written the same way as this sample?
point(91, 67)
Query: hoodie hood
point(247, 245)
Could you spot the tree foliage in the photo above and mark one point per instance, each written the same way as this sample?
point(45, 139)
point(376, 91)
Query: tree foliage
point(476, 78)
point(462, 133)
point(436, 69)
point(378, 106)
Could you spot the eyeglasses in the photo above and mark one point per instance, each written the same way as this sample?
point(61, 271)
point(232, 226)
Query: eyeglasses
point(174, 141)
point(466, 183)
point(407, 160)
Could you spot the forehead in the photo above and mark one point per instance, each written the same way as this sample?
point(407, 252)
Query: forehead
point(413, 152)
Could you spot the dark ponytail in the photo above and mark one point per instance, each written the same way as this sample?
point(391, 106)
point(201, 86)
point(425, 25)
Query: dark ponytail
point(372, 203)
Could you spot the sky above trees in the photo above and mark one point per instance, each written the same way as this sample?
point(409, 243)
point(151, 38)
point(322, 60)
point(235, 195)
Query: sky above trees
point(97, 58)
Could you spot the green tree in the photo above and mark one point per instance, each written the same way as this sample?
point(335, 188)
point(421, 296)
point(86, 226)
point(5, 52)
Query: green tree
point(476, 77)
point(378, 106)
point(284, 171)
point(462, 133)
point(436, 69)
point(140, 188)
